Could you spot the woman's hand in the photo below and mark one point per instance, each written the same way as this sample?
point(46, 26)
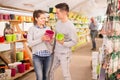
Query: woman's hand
point(45, 38)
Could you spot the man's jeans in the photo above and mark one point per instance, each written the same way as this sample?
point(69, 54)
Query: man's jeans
point(93, 34)
point(62, 59)
point(42, 66)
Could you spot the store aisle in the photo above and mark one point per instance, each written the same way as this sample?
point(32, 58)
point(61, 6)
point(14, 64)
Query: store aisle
point(80, 65)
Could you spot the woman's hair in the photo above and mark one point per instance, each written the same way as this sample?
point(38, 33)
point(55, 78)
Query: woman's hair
point(37, 14)
point(62, 6)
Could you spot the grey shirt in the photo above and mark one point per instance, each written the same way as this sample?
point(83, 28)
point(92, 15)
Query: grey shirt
point(69, 31)
point(92, 26)
point(34, 39)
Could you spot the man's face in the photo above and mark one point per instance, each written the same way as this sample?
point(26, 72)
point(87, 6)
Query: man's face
point(60, 13)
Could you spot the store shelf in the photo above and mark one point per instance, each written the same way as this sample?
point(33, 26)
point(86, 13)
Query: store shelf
point(21, 74)
point(4, 59)
point(15, 25)
point(22, 40)
point(82, 27)
point(9, 20)
point(15, 20)
point(82, 35)
point(79, 44)
point(19, 21)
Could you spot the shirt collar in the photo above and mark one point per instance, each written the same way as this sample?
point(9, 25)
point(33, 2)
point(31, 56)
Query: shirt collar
point(39, 27)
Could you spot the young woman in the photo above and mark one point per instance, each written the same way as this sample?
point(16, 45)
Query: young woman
point(40, 44)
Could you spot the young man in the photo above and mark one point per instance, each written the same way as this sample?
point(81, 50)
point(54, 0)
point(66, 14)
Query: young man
point(63, 47)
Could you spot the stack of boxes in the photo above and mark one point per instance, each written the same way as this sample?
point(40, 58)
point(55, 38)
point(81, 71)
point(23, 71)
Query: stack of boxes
point(95, 63)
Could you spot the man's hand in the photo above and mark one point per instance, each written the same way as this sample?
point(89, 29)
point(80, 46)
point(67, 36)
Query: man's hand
point(61, 41)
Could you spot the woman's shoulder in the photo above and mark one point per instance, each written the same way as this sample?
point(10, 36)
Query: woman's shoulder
point(32, 28)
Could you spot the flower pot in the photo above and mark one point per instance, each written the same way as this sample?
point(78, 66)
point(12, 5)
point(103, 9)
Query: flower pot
point(50, 33)
point(19, 56)
point(2, 39)
point(60, 36)
point(8, 37)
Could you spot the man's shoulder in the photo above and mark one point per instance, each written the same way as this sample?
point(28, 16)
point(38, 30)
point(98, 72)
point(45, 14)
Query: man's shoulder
point(71, 24)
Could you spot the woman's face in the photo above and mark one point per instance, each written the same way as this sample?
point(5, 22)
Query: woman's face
point(41, 19)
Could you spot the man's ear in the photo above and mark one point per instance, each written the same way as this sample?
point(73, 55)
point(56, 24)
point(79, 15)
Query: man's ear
point(65, 12)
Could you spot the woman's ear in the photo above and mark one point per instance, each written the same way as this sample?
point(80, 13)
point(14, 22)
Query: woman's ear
point(36, 18)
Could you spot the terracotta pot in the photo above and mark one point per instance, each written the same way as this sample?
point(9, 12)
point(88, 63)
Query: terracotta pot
point(20, 18)
point(27, 66)
point(26, 56)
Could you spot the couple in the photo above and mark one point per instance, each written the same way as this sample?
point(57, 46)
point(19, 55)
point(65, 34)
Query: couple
point(43, 61)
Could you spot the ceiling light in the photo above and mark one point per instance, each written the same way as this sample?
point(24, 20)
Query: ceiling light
point(28, 5)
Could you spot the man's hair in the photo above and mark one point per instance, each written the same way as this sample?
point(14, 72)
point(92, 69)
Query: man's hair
point(37, 14)
point(62, 6)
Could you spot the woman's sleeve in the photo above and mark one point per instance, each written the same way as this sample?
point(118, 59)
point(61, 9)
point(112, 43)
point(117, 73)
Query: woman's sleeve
point(31, 41)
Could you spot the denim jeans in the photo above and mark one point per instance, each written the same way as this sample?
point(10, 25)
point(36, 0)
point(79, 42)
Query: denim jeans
point(42, 66)
point(93, 34)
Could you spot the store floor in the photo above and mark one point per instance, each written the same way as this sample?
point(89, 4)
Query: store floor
point(80, 65)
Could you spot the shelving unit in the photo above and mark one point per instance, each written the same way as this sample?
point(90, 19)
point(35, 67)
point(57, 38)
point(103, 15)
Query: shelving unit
point(110, 66)
point(111, 56)
point(16, 28)
point(83, 33)
point(4, 59)
point(15, 25)
point(21, 74)
point(22, 40)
